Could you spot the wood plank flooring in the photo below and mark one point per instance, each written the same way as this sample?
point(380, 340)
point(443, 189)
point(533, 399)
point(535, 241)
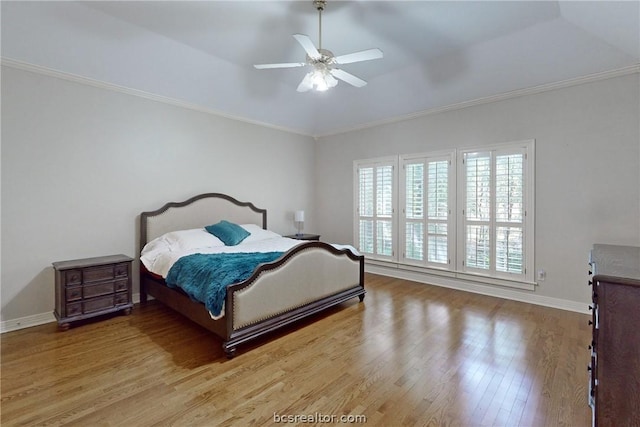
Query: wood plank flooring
point(410, 355)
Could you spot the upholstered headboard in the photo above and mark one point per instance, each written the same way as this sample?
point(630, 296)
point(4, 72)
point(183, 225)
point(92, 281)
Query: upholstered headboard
point(198, 211)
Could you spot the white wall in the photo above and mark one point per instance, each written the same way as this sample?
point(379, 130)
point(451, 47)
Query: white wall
point(587, 169)
point(79, 164)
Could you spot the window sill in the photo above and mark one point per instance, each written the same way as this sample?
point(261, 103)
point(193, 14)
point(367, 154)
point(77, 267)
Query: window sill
point(466, 277)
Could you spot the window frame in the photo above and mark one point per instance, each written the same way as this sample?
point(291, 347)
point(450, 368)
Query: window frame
point(456, 268)
point(376, 163)
point(426, 158)
point(527, 148)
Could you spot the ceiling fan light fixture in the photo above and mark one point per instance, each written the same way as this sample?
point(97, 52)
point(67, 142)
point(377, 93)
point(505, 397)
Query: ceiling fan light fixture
point(322, 80)
point(324, 74)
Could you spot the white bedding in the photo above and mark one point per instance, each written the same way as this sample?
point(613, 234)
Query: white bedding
point(159, 255)
point(160, 262)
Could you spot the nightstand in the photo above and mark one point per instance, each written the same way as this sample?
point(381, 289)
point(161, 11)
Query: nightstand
point(91, 287)
point(304, 236)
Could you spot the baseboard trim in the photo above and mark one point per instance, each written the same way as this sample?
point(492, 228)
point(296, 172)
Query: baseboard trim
point(38, 319)
point(26, 322)
point(445, 282)
point(479, 288)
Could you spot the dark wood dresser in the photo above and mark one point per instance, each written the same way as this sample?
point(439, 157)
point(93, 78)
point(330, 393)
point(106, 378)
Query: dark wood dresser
point(614, 392)
point(91, 287)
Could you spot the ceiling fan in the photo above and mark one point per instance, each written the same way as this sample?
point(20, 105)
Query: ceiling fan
point(324, 73)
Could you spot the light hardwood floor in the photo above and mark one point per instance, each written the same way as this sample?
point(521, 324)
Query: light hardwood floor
point(411, 354)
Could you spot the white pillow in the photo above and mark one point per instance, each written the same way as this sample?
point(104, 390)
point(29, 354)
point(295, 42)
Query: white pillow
point(257, 233)
point(175, 241)
point(191, 239)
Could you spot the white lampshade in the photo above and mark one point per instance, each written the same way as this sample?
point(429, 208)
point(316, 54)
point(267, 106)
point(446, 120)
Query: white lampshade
point(299, 216)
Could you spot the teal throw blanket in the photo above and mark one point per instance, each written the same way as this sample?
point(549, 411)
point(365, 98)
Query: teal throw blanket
point(205, 277)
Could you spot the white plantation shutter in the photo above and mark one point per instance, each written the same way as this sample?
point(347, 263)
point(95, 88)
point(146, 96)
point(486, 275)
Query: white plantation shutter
point(375, 208)
point(426, 193)
point(478, 210)
point(366, 200)
point(438, 192)
point(414, 211)
point(509, 213)
point(466, 213)
point(496, 197)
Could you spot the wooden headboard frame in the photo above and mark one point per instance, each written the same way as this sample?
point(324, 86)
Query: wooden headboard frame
point(198, 211)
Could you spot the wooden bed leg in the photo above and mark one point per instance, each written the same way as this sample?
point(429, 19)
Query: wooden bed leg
point(361, 297)
point(229, 351)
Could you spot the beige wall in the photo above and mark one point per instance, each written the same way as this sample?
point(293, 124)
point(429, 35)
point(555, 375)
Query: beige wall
point(587, 169)
point(79, 164)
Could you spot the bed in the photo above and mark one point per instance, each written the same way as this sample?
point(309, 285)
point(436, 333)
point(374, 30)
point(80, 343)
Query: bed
point(305, 280)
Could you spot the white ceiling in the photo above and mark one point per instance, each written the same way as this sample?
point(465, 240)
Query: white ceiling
point(436, 53)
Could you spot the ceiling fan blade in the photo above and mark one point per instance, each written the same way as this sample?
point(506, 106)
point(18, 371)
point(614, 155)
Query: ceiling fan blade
point(283, 65)
point(306, 84)
point(364, 55)
point(348, 78)
point(307, 45)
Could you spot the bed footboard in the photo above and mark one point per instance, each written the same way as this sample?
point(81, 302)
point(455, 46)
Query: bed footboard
point(308, 279)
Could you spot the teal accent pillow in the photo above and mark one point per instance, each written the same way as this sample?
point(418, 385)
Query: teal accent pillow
point(231, 234)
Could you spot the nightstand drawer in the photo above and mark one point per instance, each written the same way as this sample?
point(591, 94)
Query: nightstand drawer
point(96, 274)
point(97, 304)
point(121, 298)
point(72, 277)
point(90, 291)
point(122, 285)
point(73, 293)
point(74, 309)
point(121, 270)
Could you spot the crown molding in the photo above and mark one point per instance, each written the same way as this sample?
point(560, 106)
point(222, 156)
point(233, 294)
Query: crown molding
point(25, 66)
point(50, 72)
point(493, 98)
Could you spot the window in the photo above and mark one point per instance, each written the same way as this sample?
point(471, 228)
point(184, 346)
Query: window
point(469, 212)
point(427, 187)
point(497, 204)
point(375, 207)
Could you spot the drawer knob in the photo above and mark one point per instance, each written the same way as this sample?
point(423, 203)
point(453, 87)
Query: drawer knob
point(589, 368)
point(590, 283)
point(590, 307)
point(590, 272)
point(590, 322)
